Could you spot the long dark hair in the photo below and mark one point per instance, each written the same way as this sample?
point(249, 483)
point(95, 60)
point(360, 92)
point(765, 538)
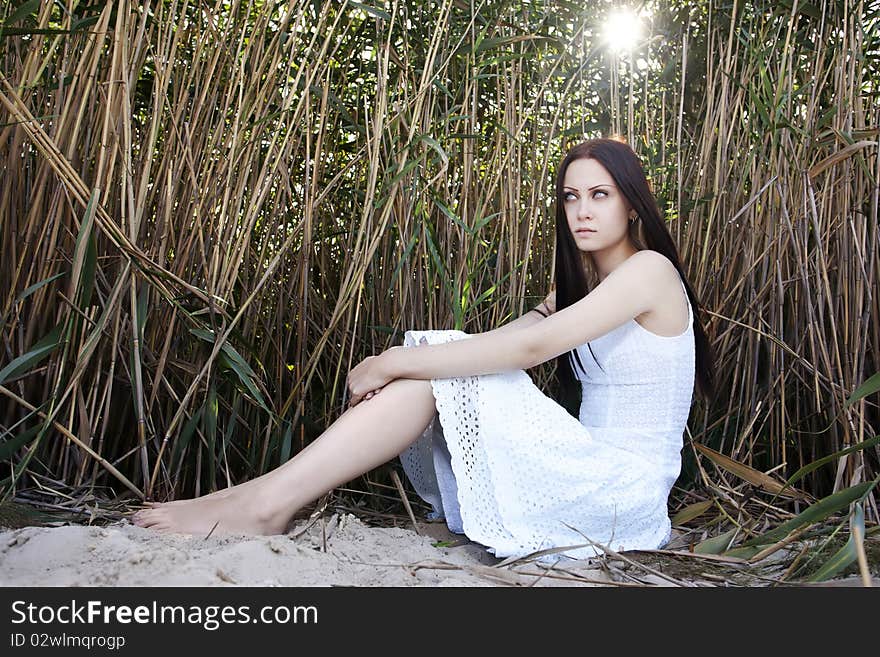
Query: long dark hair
point(571, 279)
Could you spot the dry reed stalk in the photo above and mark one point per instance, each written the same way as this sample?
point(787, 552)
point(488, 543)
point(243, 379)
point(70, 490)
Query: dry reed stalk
point(283, 189)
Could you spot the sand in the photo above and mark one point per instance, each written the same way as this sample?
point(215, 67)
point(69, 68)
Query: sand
point(339, 550)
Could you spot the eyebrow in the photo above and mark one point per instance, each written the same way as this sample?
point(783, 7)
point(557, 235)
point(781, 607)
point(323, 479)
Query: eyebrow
point(589, 188)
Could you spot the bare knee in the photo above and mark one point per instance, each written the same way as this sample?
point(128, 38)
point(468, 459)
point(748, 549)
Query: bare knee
point(418, 390)
point(413, 396)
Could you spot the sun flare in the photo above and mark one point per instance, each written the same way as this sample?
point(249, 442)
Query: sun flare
point(622, 29)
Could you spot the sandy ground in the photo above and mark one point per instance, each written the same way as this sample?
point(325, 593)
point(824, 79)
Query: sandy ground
point(340, 550)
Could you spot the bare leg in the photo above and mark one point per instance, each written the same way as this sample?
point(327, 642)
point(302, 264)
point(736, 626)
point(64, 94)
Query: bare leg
point(363, 437)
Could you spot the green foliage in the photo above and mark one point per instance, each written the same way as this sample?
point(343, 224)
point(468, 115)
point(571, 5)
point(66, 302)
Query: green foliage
point(815, 513)
point(845, 555)
point(307, 181)
point(38, 353)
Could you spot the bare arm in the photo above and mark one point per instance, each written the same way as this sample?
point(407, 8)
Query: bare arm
point(627, 292)
point(529, 318)
point(361, 382)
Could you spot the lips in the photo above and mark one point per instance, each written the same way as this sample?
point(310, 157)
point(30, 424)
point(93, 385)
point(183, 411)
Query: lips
point(585, 230)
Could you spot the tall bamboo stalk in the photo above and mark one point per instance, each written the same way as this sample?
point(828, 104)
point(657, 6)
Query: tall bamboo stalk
point(280, 189)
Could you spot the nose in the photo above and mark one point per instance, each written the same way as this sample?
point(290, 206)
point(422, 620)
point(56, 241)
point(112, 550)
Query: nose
point(583, 208)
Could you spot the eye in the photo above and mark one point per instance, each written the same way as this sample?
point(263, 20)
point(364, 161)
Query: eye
point(600, 191)
point(569, 196)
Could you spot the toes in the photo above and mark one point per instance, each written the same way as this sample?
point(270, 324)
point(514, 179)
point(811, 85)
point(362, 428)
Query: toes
point(147, 518)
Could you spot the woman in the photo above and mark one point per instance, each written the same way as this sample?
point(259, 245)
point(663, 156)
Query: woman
point(505, 464)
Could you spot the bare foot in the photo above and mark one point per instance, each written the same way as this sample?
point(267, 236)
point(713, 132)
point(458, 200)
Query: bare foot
point(234, 513)
point(216, 495)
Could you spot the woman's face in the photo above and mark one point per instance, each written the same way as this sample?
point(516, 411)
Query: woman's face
point(598, 214)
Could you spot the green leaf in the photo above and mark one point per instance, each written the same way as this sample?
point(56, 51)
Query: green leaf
point(36, 286)
point(442, 87)
point(94, 338)
point(435, 255)
point(409, 166)
point(24, 10)
point(87, 280)
point(491, 43)
point(488, 293)
point(341, 107)
point(403, 258)
point(244, 373)
point(207, 336)
point(83, 23)
point(27, 31)
point(814, 513)
point(185, 437)
point(231, 359)
point(690, 512)
point(209, 427)
point(805, 8)
point(716, 544)
point(143, 298)
point(467, 48)
point(845, 555)
point(450, 214)
point(841, 559)
point(372, 11)
point(506, 57)
point(463, 297)
point(11, 446)
point(433, 143)
point(742, 552)
point(457, 309)
point(831, 457)
point(212, 408)
point(485, 295)
point(85, 256)
point(37, 353)
point(286, 442)
point(479, 222)
point(869, 387)
point(231, 427)
point(825, 119)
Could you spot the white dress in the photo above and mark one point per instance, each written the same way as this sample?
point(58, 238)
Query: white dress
point(511, 469)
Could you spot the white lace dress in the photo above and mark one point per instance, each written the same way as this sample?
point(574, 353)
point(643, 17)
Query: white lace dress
point(511, 469)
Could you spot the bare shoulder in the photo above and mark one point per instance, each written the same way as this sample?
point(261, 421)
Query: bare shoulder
point(653, 265)
point(667, 311)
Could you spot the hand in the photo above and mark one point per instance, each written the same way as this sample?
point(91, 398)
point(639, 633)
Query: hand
point(366, 379)
point(550, 300)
